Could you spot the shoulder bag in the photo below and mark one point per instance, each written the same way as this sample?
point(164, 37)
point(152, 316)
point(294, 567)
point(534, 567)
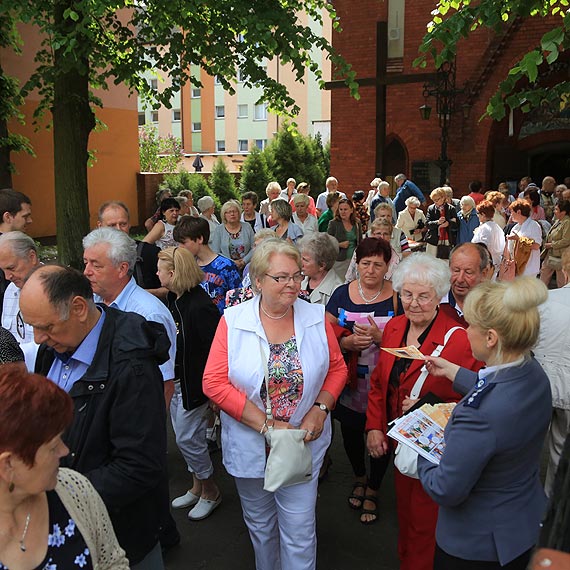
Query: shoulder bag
point(290, 461)
point(405, 458)
point(508, 266)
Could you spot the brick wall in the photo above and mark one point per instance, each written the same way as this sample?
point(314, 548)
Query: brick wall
point(471, 141)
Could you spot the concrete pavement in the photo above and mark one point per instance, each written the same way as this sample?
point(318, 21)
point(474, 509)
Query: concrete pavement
point(222, 542)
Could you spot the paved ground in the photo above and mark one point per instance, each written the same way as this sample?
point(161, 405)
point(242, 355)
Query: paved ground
point(222, 542)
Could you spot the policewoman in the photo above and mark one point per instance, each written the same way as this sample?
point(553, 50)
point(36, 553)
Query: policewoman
point(487, 484)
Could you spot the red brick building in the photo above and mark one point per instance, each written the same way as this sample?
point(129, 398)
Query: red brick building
point(536, 144)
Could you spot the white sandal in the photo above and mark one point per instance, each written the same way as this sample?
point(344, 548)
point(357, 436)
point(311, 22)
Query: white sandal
point(204, 508)
point(189, 499)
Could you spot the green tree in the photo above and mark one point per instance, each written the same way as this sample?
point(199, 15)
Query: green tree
point(222, 183)
point(88, 45)
point(158, 154)
point(457, 19)
point(255, 174)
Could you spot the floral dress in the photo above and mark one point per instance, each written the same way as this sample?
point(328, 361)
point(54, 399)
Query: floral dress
point(66, 547)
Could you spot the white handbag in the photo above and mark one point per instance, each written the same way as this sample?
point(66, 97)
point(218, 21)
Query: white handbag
point(405, 458)
point(290, 461)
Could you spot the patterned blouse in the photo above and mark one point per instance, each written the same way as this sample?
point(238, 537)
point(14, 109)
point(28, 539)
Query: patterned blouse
point(66, 547)
point(285, 379)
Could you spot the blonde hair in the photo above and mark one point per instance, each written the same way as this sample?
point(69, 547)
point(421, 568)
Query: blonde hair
point(438, 193)
point(187, 274)
point(230, 205)
point(509, 308)
point(262, 257)
point(301, 199)
point(383, 206)
point(272, 186)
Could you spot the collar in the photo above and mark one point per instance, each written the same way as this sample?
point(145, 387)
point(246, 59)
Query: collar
point(122, 298)
point(85, 352)
point(486, 372)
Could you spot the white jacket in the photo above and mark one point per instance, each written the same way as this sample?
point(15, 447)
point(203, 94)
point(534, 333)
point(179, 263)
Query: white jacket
point(323, 291)
point(553, 348)
point(243, 447)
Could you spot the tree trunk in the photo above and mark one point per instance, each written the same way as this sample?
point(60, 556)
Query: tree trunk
point(73, 121)
point(5, 165)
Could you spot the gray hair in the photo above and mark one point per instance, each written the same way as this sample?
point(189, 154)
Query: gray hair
point(412, 200)
point(301, 199)
point(322, 247)
point(122, 249)
point(282, 208)
point(383, 184)
point(181, 200)
point(20, 243)
point(205, 203)
point(424, 269)
point(262, 257)
point(467, 200)
point(230, 205)
point(400, 177)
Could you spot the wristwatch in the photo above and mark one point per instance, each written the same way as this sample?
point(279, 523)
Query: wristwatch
point(322, 407)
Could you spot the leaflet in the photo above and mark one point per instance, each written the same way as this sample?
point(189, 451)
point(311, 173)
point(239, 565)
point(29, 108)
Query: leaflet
point(421, 433)
point(406, 352)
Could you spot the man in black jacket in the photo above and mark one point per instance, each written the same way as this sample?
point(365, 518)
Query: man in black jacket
point(107, 361)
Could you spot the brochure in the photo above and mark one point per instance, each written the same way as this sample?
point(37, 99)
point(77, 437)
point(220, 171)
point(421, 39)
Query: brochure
point(422, 430)
point(406, 352)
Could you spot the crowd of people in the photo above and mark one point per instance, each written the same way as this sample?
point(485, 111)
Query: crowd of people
point(274, 316)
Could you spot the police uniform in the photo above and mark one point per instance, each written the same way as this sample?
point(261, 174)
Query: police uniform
point(487, 484)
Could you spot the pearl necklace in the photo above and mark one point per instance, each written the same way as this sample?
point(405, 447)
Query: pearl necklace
point(270, 316)
point(372, 299)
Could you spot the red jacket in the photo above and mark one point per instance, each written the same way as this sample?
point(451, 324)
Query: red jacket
point(457, 350)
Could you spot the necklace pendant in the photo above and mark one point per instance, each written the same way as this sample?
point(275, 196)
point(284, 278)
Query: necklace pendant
point(22, 546)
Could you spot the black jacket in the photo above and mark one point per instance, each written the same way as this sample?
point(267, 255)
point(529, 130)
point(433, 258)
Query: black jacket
point(118, 435)
point(432, 217)
point(196, 319)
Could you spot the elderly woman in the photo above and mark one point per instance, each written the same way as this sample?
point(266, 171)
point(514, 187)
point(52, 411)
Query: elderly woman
point(381, 228)
point(306, 373)
point(285, 229)
point(489, 232)
point(273, 190)
point(348, 232)
point(196, 319)
point(189, 195)
point(467, 220)
point(160, 195)
point(488, 481)
point(557, 242)
point(161, 233)
point(318, 255)
point(441, 221)
point(398, 240)
point(411, 220)
point(350, 309)
point(206, 205)
point(301, 217)
point(421, 280)
point(305, 188)
point(525, 239)
point(50, 517)
point(250, 215)
point(232, 238)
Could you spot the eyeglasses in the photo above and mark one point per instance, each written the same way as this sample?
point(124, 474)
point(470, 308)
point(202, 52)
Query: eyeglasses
point(422, 299)
point(284, 279)
point(20, 326)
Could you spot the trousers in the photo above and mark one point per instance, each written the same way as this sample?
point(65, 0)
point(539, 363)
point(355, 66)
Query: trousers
point(282, 525)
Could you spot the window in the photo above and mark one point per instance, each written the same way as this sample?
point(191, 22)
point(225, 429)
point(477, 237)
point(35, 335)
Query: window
point(240, 76)
point(242, 111)
point(154, 116)
point(260, 112)
point(220, 111)
point(196, 93)
point(176, 115)
point(217, 80)
point(221, 146)
point(260, 143)
point(142, 119)
point(154, 84)
point(243, 145)
point(196, 127)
